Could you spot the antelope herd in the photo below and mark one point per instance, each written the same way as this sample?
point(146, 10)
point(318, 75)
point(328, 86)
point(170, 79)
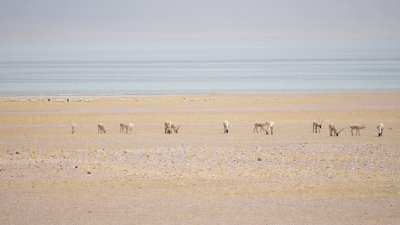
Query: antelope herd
point(267, 127)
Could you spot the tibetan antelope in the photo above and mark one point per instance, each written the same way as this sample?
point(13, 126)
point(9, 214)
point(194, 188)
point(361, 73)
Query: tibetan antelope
point(170, 127)
point(357, 128)
point(380, 127)
point(333, 131)
point(100, 128)
point(73, 128)
point(270, 127)
point(226, 126)
point(317, 126)
point(259, 125)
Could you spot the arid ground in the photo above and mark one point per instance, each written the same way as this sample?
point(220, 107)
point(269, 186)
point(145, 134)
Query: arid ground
point(200, 175)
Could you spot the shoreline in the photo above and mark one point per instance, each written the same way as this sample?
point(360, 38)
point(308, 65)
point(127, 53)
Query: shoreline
point(199, 94)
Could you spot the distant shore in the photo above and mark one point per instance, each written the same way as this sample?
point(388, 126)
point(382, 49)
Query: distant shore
point(78, 95)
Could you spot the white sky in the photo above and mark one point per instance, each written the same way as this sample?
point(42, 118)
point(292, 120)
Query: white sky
point(142, 29)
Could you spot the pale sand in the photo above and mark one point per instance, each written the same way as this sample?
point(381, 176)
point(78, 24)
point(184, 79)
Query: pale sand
point(200, 175)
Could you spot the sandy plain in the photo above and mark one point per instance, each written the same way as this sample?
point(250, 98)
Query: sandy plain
point(200, 175)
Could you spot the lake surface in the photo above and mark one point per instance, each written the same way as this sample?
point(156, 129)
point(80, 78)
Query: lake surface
point(191, 77)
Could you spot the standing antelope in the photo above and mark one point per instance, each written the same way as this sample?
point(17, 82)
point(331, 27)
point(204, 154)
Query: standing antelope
point(73, 127)
point(226, 126)
point(121, 127)
point(129, 128)
point(317, 126)
point(100, 128)
point(261, 125)
point(270, 126)
point(333, 130)
point(356, 127)
point(380, 127)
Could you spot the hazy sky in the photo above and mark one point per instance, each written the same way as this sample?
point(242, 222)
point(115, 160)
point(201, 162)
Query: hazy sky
point(142, 29)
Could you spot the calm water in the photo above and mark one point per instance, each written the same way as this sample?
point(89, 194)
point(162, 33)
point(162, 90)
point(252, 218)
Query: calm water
point(187, 77)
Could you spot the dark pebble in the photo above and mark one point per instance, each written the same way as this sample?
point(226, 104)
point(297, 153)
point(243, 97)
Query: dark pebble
point(259, 159)
point(88, 172)
point(17, 152)
point(76, 167)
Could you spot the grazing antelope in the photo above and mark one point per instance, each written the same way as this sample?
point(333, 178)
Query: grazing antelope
point(73, 127)
point(356, 127)
point(167, 129)
point(100, 128)
point(333, 130)
point(175, 128)
point(270, 126)
point(259, 125)
point(127, 128)
point(317, 126)
point(171, 127)
point(380, 127)
point(226, 126)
